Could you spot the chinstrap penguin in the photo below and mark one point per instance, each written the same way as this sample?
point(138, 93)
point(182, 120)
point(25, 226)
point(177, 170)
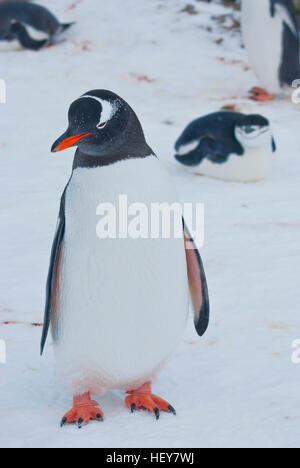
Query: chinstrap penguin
point(19, 21)
point(117, 307)
point(271, 37)
point(227, 145)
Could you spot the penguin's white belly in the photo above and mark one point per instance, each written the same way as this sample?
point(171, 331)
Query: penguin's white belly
point(263, 38)
point(122, 303)
point(253, 166)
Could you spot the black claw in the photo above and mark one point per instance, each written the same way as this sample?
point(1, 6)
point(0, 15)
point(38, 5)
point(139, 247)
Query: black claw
point(79, 423)
point(63, 422)
point(133, 407)
point(172, 410)
point(156, 412)
point(99, 417)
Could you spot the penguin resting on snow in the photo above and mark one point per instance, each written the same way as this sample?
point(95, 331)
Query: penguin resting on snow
point(227, 145)
point(271, 38)
point(16, 18)
point(117, 307)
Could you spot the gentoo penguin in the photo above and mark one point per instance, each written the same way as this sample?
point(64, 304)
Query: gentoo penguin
point(271, 37)
point(227, 145)
point(117, 306)
point(16, 18)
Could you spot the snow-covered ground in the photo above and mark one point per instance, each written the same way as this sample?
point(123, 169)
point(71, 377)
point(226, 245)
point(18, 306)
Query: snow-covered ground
point(235, 387)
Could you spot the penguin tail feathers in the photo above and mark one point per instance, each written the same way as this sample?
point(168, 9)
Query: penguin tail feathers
point(66, 26)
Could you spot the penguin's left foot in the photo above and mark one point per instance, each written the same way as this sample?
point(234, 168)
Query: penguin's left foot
point(143, 398)
point(84, 410)
point(260, 94)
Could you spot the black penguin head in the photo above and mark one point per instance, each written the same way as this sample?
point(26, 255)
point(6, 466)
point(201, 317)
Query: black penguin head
point(253, 131)
point(101, 123)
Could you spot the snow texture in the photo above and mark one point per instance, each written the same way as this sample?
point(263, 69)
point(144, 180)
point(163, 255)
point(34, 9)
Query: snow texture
point(235, 387)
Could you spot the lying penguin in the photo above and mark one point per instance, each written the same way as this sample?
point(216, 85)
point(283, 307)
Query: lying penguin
point(227, 145)
point(271, 38)
point(16, 18)
point(117, 306)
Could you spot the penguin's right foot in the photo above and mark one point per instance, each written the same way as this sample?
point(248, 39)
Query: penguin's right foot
point(143, 398)
point(260, 94)
point(84, 410)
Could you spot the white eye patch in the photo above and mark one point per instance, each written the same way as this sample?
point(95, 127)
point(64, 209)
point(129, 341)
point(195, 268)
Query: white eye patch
point(257, 129)
point(108, 110)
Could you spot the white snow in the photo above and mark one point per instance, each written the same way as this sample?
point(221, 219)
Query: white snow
point(235, 387)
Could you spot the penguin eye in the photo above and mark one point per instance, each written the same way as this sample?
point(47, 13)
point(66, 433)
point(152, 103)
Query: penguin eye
point(101, 125)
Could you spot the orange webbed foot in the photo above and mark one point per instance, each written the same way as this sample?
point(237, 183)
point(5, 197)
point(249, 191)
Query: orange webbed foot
point(143, 398)
point(84, 410)
point(261, 95)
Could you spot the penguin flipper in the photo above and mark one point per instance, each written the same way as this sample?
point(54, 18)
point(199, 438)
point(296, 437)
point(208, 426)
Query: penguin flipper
point(53, 271)
point(215, 151)
point(20, 33)
point(290, 65)
point(287, 12)
point(197, 283)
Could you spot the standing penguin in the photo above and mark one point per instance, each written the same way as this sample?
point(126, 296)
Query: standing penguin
point(271, 37)
point(117, 307)
point(17, 17)
point(227, 145)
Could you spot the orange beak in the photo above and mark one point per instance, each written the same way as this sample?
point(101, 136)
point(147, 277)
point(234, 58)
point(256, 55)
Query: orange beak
point(68, 142)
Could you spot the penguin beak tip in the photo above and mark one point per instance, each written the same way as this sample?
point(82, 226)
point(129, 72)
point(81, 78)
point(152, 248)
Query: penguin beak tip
point(67, 142)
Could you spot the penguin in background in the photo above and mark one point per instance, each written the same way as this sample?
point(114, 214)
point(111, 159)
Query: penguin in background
point(227, 145)
point(117, 307)
point(18, 21)
point(271, 38)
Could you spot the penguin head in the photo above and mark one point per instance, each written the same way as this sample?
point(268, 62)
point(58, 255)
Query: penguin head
point(100, 122)
point(253, 131)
